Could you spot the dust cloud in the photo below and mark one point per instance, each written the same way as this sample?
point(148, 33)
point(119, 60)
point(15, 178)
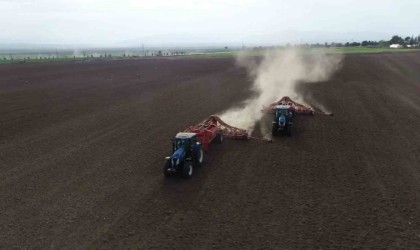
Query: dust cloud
point(275, 76)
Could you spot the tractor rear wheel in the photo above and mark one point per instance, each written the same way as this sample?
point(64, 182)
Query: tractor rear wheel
point(187, 170)
point(198, 158)
point(219, 138)
point(274, 130)
point(289, 130)
point(166, 167)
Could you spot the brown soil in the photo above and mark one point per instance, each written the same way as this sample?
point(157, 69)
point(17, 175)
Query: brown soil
point(82, 147)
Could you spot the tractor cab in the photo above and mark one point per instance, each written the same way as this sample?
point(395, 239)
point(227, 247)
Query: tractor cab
point(186, 154)
point(185, 140)
point(283, 119)
point(285, 110)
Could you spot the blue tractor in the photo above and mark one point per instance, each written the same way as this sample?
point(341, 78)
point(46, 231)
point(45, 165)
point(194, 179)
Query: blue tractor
point(187, 154)
point(283, 120)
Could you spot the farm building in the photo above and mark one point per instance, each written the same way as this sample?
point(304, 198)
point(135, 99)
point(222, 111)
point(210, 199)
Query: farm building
point(396, 46)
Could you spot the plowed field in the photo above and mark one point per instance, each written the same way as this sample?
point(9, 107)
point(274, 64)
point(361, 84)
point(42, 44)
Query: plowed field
point(82, 147)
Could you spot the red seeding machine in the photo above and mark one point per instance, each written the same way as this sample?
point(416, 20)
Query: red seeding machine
point(284, 112)
point(297, 108)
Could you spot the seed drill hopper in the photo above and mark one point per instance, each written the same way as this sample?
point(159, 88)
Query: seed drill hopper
point(213, 127)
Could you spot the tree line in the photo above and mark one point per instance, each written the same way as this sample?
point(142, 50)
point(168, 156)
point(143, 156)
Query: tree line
point(412, 41)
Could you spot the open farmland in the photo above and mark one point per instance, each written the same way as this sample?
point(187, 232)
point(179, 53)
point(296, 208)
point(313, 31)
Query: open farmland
point(82, 147)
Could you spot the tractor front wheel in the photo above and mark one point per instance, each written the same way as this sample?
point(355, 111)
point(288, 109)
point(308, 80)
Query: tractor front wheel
point(166, 167)
point(187, 170)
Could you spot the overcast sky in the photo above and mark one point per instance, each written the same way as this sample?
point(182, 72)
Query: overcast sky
point(126, 22)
